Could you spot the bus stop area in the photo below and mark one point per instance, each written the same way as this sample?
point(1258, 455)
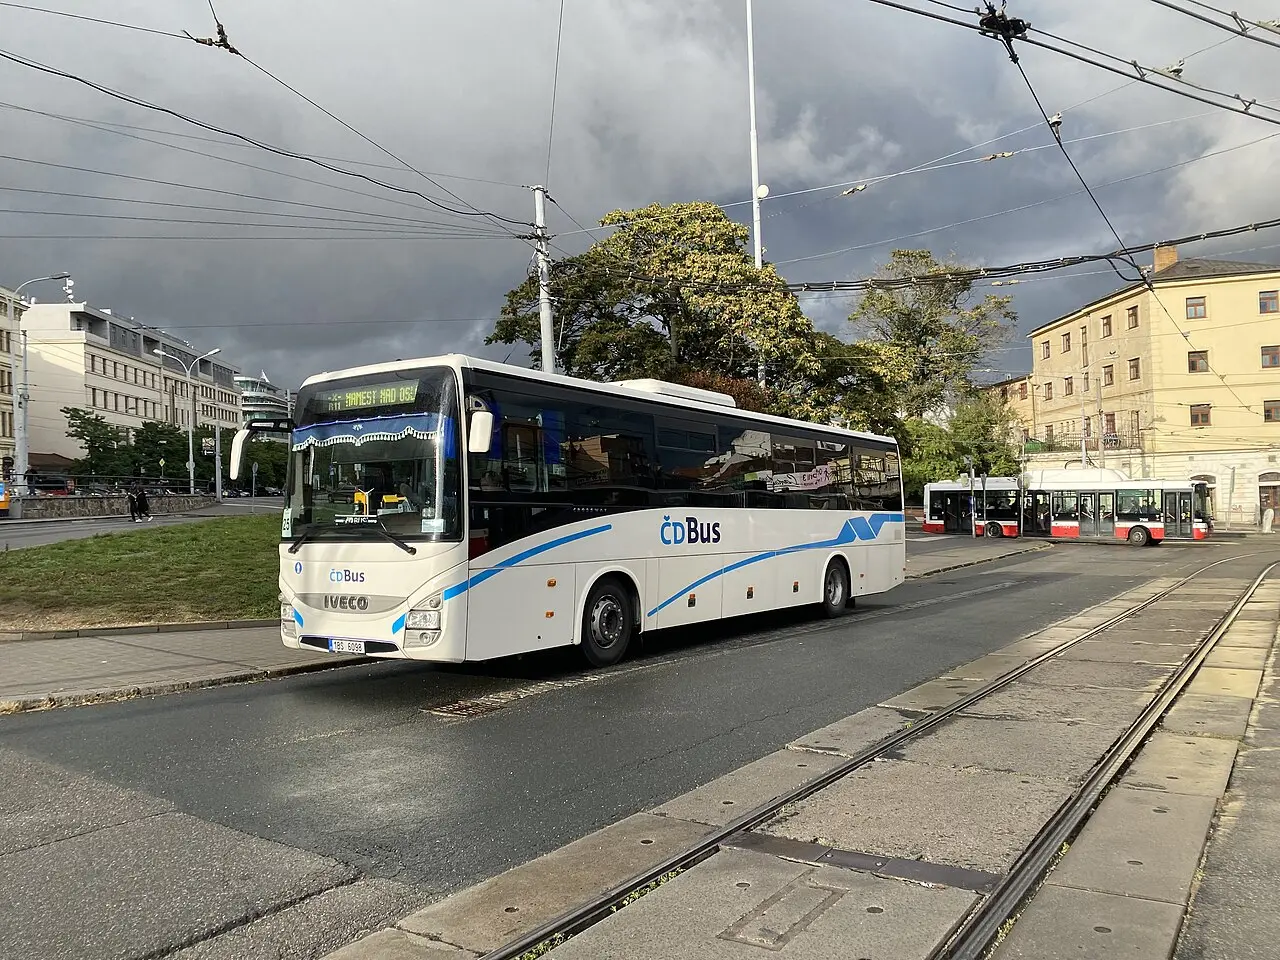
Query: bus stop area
point(896, 859)
point(56, 669)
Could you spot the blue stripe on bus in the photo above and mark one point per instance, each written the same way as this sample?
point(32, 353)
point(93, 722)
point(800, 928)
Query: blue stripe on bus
point(399, 624)
point(859, 528)
point(460, 588)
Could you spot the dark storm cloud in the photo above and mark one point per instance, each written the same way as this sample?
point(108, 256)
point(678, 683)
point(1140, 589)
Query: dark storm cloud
point(651, 106)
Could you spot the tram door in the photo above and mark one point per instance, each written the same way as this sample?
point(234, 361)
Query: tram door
point(1177, 514)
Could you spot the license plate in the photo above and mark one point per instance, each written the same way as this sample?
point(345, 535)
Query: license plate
point(346, 646)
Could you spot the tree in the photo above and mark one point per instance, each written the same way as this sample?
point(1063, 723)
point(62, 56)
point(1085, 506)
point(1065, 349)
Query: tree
point(978, 433)
point(672, 293)
point(929, 332)
point(107, 450)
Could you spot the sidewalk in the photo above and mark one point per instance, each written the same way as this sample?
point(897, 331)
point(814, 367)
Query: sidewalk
point(886, 861)
point(68, 671)
point(966, 553)
point(111, 665)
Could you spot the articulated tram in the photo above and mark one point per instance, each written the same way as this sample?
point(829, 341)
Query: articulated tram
point(1070, 504)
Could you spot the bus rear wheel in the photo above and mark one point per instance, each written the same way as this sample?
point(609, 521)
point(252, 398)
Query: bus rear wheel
point(1139, 536)
point(994, 531)
point(607, 623)
point(835, 589)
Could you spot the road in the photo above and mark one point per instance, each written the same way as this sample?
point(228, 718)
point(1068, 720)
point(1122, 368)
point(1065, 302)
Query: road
point(375, 774)
point(14, 536)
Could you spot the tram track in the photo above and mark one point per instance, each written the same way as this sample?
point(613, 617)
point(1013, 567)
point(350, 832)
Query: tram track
point(972, 935)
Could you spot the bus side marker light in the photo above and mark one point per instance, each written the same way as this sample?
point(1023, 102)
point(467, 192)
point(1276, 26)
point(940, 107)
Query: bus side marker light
point(795, 587)
point(551, 582)
point(693, 599)
point(550, 614)
point(751, 592)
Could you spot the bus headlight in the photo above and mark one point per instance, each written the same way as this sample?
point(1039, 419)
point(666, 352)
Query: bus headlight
point(286, 613)
point(420, 638)
point(423, 620)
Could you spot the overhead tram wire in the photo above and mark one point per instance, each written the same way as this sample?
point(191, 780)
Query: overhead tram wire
point(245, 196)
point(77, 16)
point(367, 226)
point(270, 148)
point(1241, 29)
point(1131, 70)
point(252, 166)
point(1008, 30)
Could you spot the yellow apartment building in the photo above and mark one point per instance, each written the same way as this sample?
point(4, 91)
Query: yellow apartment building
point(1016, 394)
point(1182, 380)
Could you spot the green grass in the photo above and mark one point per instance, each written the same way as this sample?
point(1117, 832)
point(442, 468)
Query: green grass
point(223, 569)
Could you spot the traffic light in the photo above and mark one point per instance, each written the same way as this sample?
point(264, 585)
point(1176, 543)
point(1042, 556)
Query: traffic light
point(6, 469)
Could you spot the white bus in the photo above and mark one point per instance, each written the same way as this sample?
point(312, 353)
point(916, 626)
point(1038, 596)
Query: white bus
point(454, 509)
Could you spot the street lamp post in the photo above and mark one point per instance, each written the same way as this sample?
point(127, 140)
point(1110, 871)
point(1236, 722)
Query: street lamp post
point(22, 394)
point(758, 190)
point(191, 424)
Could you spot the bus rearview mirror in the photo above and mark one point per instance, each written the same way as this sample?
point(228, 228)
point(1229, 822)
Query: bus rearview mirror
point(480, 436)
point(237, 453)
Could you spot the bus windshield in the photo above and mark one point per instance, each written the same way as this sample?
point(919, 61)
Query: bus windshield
point(376, 453)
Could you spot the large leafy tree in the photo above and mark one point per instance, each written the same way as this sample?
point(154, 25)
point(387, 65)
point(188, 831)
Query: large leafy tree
point(107, 450)
point(930, 331)
point(672, 292)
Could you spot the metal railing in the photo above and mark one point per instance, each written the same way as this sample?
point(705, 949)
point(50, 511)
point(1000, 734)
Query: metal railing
point(1068, 443)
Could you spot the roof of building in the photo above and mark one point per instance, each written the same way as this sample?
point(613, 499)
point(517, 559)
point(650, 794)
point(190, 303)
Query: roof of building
point(1190, 268)
point(1017, 378)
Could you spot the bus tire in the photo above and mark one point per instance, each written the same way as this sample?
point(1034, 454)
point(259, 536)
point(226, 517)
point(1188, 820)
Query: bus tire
point(1139, 536)
point(994, 531)
point(835, 589)
point(607, 623)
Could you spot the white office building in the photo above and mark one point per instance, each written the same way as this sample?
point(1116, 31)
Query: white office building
point(260, 399)
point(90, 358)
point(7, 377)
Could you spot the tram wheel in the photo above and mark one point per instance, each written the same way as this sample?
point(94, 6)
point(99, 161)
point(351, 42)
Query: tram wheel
point(1139, 536)
point(607, 623)
point(835, 589)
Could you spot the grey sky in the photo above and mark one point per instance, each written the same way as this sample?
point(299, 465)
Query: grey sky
point(652, 106)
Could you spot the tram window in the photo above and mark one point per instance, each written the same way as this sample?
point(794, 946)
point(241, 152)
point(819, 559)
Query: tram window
point(1065, 505)
point(1136, 505)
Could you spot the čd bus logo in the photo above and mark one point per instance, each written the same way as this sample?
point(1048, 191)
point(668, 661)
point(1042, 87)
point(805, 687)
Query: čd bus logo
point(673, 532)
point(346, 576)
point(332, 602)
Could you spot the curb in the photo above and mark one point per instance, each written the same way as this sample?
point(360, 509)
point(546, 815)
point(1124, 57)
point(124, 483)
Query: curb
point(90, 697)
point(193, 512)
point(193, 626)
point(973, 563)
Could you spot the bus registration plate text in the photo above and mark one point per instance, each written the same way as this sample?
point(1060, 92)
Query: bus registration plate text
point(346, 646)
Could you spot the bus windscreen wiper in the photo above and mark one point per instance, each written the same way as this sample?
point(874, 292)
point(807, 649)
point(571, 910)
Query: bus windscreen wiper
point(300, 539)
point(407, 548)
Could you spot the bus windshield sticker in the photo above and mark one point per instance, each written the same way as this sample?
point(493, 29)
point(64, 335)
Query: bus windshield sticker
point(424, 426)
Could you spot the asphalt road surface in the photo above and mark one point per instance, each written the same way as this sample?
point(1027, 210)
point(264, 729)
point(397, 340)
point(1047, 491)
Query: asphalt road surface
point(285, 789)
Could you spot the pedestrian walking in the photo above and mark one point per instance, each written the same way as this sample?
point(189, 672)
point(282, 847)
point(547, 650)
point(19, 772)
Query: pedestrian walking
point(132, 495)
point(144, 506)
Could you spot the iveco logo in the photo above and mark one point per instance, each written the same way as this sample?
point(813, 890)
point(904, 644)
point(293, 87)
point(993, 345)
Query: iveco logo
point(339, 602)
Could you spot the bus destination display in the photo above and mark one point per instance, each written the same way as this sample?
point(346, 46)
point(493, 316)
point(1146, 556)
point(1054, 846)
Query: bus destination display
point(394, 394)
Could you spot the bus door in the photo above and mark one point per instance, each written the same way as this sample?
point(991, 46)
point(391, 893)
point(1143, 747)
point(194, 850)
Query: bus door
point(1035, 514)
point(1177, 515)
point(957, 518)
point(1105, 516)
point(1088, 515)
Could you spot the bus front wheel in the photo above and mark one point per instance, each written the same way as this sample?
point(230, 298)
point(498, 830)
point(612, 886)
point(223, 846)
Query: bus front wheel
point(607, 623)
point(1139, 536)
point(835, 589)
point(994, 531)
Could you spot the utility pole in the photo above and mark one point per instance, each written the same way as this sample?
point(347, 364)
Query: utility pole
point(758, 191)
point(547, 327)
point(217, 461)
point(22, 395)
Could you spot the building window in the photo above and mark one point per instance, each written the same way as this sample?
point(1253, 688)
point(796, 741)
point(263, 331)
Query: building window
point(1068, 387)
point(1044, 350)
point(1271, 411)
point(1048, 391)
point(1196, 309)
point(1271, 356)
point(1109, 424)
point(1108, 375)
point(1004, 394)
point(1135, 369)
point(1133, 317)
point(1085, 386)
point(1106, 326)
point(1066, 343)
point(1048, 433)
point(1022, 390)
point(1198, 361)
point(1200, 414)
point(1086, 427)
point(1269, 301)
point(1135, 423)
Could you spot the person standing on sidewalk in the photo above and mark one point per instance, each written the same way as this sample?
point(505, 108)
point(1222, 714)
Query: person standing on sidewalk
point(132, 495)
point(144, 506)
